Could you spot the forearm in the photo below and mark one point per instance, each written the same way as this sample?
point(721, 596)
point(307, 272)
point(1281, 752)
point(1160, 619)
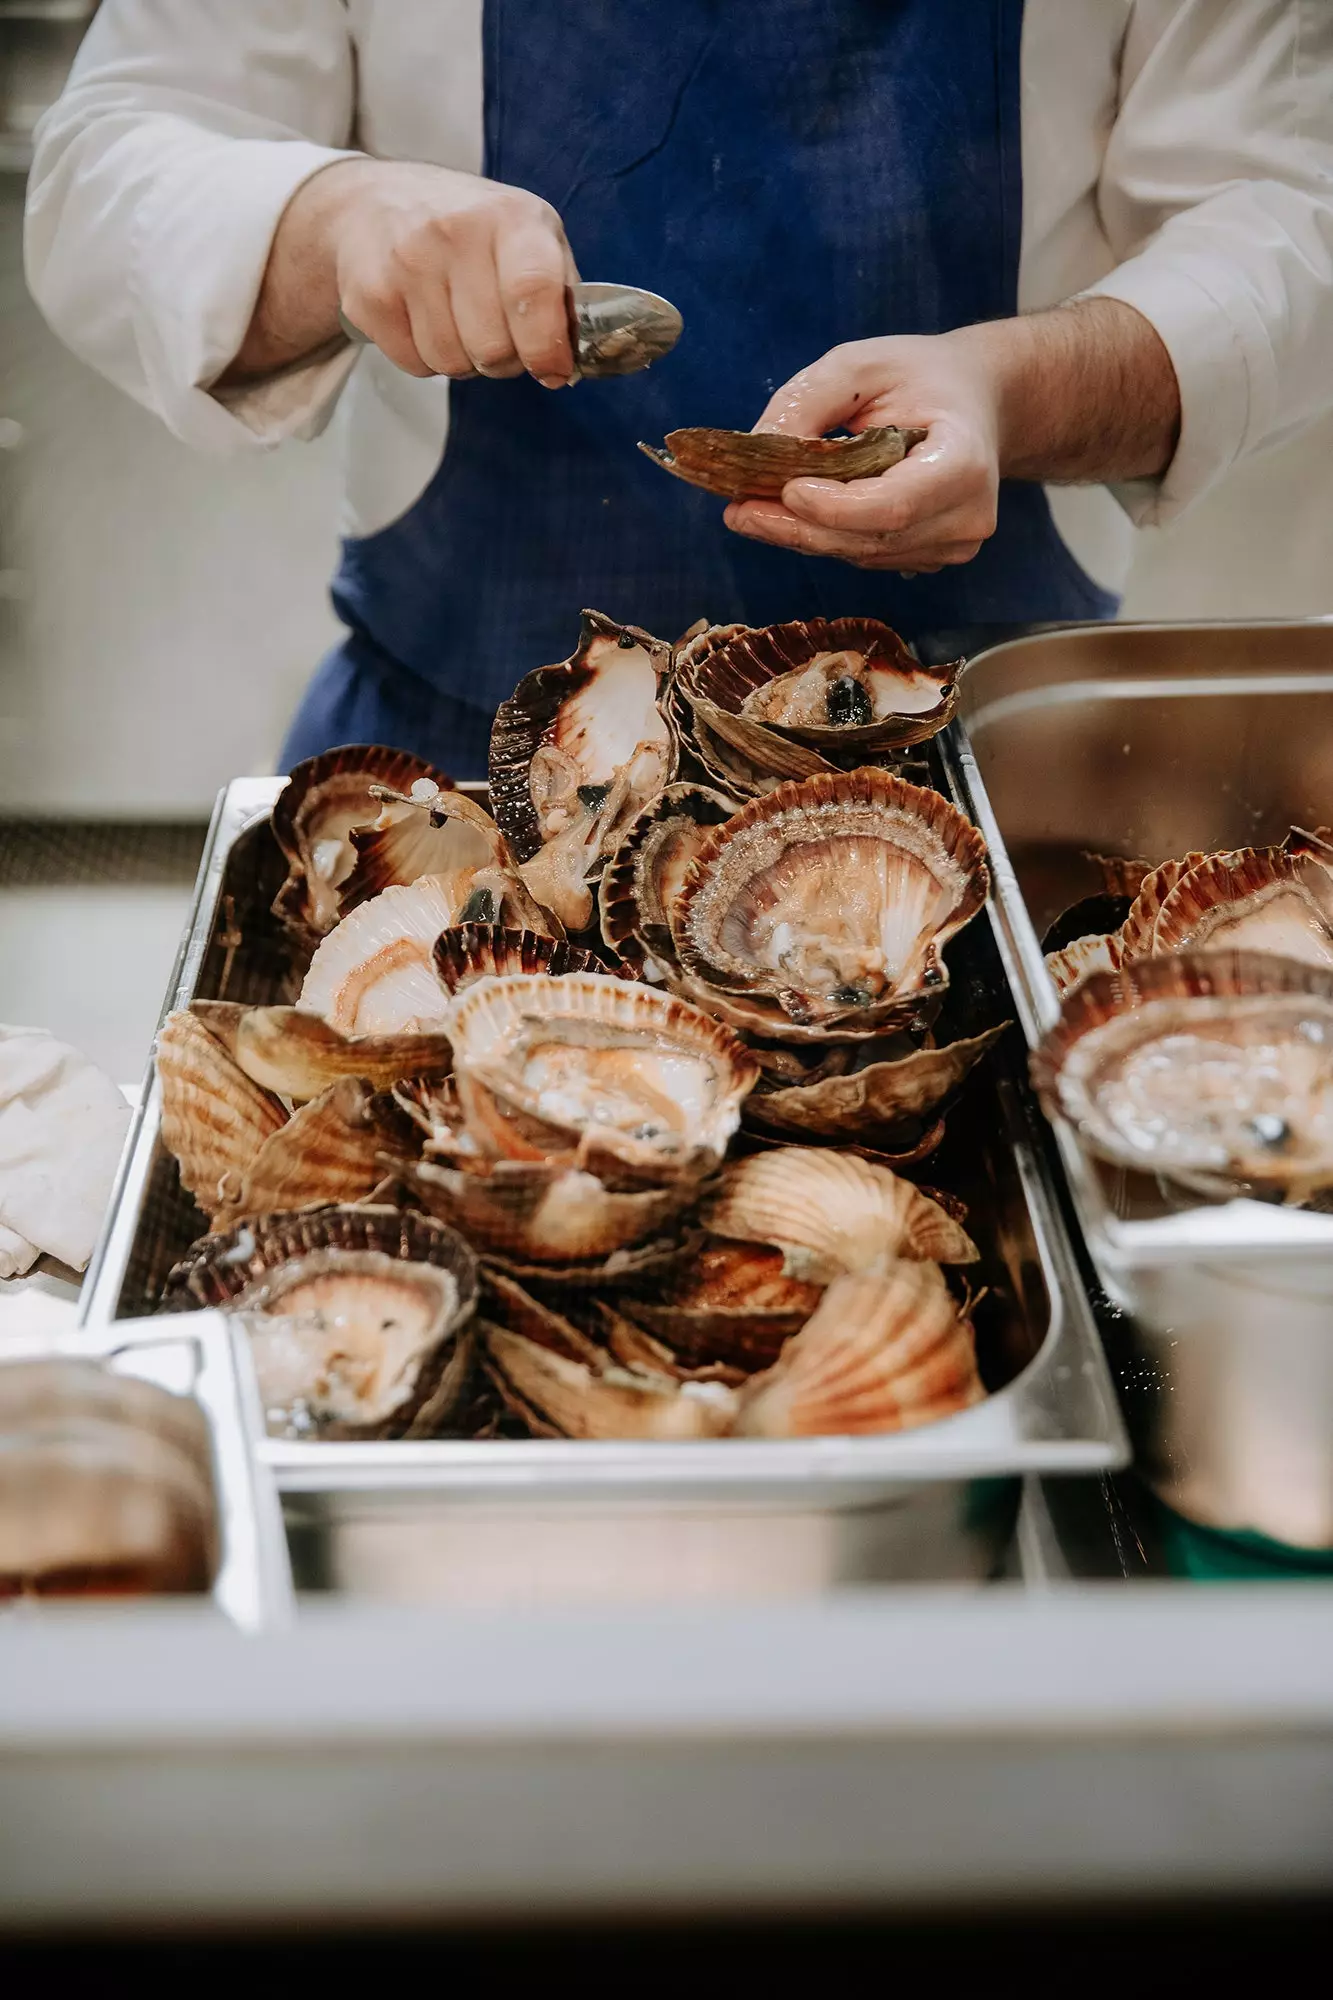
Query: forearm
point(1084, 392)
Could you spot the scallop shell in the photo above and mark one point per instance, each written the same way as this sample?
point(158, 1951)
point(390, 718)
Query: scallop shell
point(356, 1316)
point(331, 1150)
point(314, 815)
point(565, 1385)
point(469, 952)
point(648, 869)
point(1138, 932)
point(214, 1119)
point(1121, 874)
point(576, 751)
point(741, 465)
point(833, 898)
point(1091, 916)
point(883, 1352)
point(444, 833)
point(298, 1055)
point(375, 973)
point(845, 687)
point(632, 1347)
point(832, 1212)
point(1214, 1069)
point(598, 1073)
point(874, 1102)
point(534, 1213)
point(1077, 960)
point(1257, 899)
point(734, 1303)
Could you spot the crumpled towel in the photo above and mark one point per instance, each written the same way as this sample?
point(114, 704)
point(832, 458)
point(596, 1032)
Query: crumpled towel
point(62, 1127)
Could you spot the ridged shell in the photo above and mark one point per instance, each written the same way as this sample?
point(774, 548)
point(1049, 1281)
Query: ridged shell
point(314, 814)
point(833, 897)
point(1091, 916)
point(356, 1316)
point(298, 1055)
point(214, 1119)
point(916, 1142)
point(874, 1102)
point(469, 952)
point(1121, 874)
point(734, 1303)
point(783, 684)
point(1212, 1068)
point(648, 869)
point(1076, 961)
point(331, 1150)
point(1252, 900)
point(882, 1353)
point(445, 834)
point(375, 974)
point(832, 1212)
point(601, 1073)
point(740, 465)
point(1138, 932)
point(532, 1213)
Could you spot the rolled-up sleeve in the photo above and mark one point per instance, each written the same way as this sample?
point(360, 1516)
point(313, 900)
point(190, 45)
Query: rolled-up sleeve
point(158, 182)
point(1217, 197)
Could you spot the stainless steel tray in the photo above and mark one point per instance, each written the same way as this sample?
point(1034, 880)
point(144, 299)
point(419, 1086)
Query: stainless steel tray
point(730, 1517)
point(1151, 740)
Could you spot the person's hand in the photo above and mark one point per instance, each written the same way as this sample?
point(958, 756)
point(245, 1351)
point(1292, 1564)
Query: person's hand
point(450, 274)
point(934, 508)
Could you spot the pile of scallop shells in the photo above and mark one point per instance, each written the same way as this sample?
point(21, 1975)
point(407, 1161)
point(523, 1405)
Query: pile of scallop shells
point(1195, 1039)
point(589, 1117)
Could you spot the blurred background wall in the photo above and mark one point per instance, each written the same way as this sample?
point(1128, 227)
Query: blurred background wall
point(159, 612)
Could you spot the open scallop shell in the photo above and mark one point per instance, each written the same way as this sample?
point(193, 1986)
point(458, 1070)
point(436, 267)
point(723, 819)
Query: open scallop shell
point(446, 834)
point(648, 869)
point(375, 973)
point(1121, 874)
point(1085, 955)
point(883, 1352)
point(847, 688)
point(469, 952)
point(1137, 936)
point(331, 1150)
point(356, 1316)
point(734, 1303)
point(599, 1073)
point(563, 1384)
point(1213, 1069)
point(742, 465)
point(576, 751)
point(314, 816)
point(873, 1103)
point(298, 1055)
point(832, 1212)
point(1254, 900)
point(214, 1118)
point(532, 1213)
point(832, 897)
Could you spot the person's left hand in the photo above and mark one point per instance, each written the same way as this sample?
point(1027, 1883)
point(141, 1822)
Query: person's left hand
point(934, 508)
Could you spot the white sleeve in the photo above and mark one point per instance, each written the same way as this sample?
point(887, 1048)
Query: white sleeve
point(158, 182)
point(1217, 197)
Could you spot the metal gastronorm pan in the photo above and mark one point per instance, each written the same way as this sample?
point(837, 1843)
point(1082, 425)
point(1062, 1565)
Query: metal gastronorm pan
point(933, 1502)
point(1151, 740)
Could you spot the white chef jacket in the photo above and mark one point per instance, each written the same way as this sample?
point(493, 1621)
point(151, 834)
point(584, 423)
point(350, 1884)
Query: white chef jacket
point(1177, 155)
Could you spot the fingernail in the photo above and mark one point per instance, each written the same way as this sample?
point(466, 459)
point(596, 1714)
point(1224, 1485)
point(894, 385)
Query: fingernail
point(553, 381)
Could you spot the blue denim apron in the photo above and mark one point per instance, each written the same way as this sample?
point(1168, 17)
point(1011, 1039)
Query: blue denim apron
point(793, 174)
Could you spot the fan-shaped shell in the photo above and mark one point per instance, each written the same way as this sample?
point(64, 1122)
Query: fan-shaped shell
point(599, 1073)
point(1077, 960)
point(648, 869)
point(331, 1150)
point(469, 952)
point(1121, 874)
point(1139, 930)
point(833, 897)
point(530, 1212)
point(298, 1055)
point(757, 464)
point(214, 1119)
point(314, 815)
point(846, 687)
point(1214, 1069)
point(883, 1352)
point(733, 1303)
point(1254, 900)
point(832, 1212)
point(375, 973)
point(874, 1102)
point(446, 834)
point(355, 1316)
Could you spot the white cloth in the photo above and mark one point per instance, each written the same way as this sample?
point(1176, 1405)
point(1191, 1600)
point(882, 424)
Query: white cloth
point(1177, 154)
point(62, 1127)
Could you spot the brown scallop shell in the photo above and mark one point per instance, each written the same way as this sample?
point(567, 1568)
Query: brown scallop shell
point(728, 669)
point(353, 1281)
point(1085, 955)
point(728, 1302)
point(1253, 899)
point(741, 465)
point(1223, 1143)
point(468, 952)
point(883, 1352)
point(449, 836)
point(214, 1118)
point(298, 1055)
point(852, 847)
point(874, 1102)
point(534, 1213)
point(648, 869)
point(1121, 874)
point(324, 799)
point(331, 1150)
point(831, 1212)
point(1138, 932)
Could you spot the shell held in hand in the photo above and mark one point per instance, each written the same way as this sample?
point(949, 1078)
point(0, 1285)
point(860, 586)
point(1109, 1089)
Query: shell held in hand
point(740, 465)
